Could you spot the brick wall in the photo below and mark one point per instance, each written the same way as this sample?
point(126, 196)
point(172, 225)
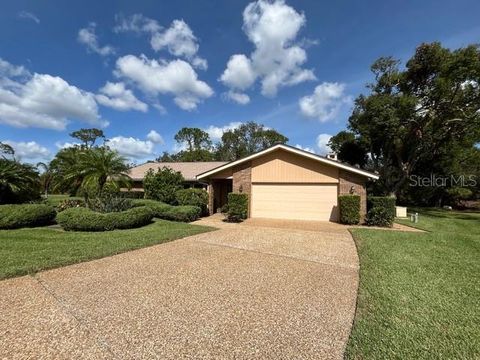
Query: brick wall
point(347, 180)
point(242, 179)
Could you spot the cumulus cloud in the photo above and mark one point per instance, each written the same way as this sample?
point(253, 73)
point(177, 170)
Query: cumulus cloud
point(44, 101)
point(116, 96)
point(273, 27)
point(176, 77)
point(136, 23)
point(322, 141)
point(29, 151)
point(238, 97)
point(325, 102)
point(216, 132)
point(155, 137)
point(131, 147)
point(178, 39)
point(305, 148)
point(88, 37)
point(8, 70)
point(29, 16)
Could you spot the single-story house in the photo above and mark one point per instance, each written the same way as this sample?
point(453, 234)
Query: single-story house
point(189, 171)
point(284, 182)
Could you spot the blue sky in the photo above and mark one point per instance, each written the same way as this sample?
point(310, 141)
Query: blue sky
point(144, 69)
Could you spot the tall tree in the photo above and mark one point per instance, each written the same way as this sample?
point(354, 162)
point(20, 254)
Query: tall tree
point(198, 145)
point(247, 139)
point(46, 177)
point(88, 137)
point(411, 116)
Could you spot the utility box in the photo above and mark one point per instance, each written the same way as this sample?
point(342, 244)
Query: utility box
point(400, 211)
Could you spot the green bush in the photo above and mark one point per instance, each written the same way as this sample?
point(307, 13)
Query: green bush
point(25, 215)
point(381, 211)
point(162, 185)
point(194, 197)
point(237, 208)
point(186, 213)
point(70, 203)
point(109, 202)
point(131, 194)
point(349, 206)
point(83, 219)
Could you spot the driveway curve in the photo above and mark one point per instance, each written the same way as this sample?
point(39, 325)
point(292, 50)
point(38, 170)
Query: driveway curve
point(253, 291)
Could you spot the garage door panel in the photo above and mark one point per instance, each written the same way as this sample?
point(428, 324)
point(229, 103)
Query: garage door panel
point(294, 201)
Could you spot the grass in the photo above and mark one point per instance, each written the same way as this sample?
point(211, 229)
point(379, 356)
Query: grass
point(26, 251)
point(419, 293)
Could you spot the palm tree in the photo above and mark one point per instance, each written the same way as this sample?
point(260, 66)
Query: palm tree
point(17, 181)
point(66, 172)
point(102, 166)
point(46, 177)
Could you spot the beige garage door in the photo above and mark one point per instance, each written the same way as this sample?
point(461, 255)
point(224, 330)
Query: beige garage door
point(295, 201)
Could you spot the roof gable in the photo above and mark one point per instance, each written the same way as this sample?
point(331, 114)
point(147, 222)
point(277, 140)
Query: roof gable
point(304, 153)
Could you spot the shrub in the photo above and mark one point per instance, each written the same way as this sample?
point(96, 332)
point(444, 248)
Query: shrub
point(194, 197)
point(70, 203)
point(108, 202)
point(164, 211)
point(83, 219)
point(162, 185)
point(349, 209)
point(131, 194)
point(185, 213)
point(26, 215)
point(381, 211)
point(237, 209)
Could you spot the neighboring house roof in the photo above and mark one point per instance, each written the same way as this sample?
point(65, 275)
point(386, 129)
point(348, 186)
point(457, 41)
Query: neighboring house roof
point(189, 170)
point(291, 149)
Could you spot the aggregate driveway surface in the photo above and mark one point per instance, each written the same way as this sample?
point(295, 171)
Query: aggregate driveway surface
point(241, 292)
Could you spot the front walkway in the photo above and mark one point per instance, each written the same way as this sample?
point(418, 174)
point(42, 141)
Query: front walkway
point(242, 292)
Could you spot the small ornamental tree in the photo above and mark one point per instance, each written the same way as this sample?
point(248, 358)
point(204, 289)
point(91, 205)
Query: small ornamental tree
point(237, 207)
point(163, 185)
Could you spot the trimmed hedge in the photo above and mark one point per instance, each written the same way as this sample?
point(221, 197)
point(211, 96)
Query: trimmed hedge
point(194, 197)
point(83, 219)
point(349, 206)
point(237, 208)
point(164, 211)
point(381, 211)
point(25, 215)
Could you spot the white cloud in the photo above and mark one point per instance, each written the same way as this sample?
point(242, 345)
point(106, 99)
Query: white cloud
point(325, 102)
point(322, 141)
point(176, 77)
point(29, 151)
point(216, 132)
point(305, 148)
point(155, 137)
point(180, 41)
point(136, 23)
point(239, 73)
point(45, 101)
point(238, 97)
point(272, 26)
point(29, 15)
point(116, 96)
point(131, 147)
point(66, 144)
point(87, 37)
point(8, 70)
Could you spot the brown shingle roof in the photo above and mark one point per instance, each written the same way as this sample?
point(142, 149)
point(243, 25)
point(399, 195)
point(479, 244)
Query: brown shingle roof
point(189, 170)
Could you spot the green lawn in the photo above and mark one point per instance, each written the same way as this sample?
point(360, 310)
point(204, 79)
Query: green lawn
point(27, 251)
point(419, 295)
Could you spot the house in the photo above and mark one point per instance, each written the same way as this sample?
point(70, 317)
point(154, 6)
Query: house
point(284, 182)
point(189, 170)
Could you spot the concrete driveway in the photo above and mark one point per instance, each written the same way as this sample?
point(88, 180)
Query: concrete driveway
point(250, 291)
